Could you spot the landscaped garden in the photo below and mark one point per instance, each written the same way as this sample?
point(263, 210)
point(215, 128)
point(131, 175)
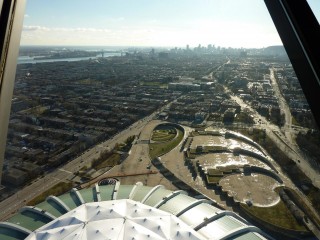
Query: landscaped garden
point(164, 138)
point(163, 133)
point(278, 215)
point(56, 190)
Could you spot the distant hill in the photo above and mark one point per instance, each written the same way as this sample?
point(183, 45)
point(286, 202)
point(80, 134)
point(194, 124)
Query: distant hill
point(275, 50)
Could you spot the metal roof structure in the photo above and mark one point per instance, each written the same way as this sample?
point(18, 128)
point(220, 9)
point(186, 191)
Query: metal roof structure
point(127, 212)
point(116, 219)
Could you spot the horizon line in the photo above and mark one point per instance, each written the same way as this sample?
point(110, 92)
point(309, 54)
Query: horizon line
point(146, 46)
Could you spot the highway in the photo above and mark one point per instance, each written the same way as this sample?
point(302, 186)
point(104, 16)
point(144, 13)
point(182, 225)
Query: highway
point(13, 203)
point(283, 107)
point(289, 147)
point(284, 141)
point(274, 132)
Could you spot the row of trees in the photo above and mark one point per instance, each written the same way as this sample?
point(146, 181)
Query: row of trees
point(104, 155)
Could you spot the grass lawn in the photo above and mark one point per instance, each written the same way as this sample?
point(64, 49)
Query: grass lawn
point(109, 162)
point(163, 135)
point(314, 197)
point(278, 215)
point(158, 149)
point(213, 179)
point(294, 121)
point(294, 172)
point(56, 190)
point(154, 84)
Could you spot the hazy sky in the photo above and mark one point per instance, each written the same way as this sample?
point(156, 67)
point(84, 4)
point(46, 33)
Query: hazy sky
point(227, 23)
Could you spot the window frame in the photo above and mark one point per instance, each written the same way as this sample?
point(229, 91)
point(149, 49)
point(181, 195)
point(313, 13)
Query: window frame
point(11, 21)
point(299, 31)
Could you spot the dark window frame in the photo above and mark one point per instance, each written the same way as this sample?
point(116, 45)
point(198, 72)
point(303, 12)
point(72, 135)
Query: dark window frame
point(299, 31)
point(11, 20)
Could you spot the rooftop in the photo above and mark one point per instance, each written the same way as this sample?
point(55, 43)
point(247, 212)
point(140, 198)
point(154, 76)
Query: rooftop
point(126, 212)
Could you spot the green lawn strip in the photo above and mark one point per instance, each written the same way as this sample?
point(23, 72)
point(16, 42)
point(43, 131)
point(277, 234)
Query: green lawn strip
point(163, 135)
point(158, 149)
point(154, 84)
point(278, 215)
point(163, 138)
point(56, 190)
point(109, 162)
point(160, 135)
point(294, 121)
point(288, 165)
point(213, 179)
point(314, 196)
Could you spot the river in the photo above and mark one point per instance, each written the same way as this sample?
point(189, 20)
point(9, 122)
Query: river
point(27, 59)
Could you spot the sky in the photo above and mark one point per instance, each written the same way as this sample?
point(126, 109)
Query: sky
point(167, 23)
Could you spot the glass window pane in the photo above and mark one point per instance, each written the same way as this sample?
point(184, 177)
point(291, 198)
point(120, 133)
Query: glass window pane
point(315, 7)
point(96, 78)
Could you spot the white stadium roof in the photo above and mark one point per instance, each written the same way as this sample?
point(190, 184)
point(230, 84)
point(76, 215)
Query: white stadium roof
point(127, 212)
point(118, 219)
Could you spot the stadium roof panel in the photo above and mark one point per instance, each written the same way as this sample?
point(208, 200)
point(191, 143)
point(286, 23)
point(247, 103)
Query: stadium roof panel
point(117, 219)
point(164, 214)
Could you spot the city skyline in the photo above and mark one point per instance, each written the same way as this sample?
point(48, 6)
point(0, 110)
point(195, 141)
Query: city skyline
point(157, 24)
point(141, 23)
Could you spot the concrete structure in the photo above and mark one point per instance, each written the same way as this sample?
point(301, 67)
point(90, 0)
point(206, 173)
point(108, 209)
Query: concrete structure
point(134, 212)
point(235, 164)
